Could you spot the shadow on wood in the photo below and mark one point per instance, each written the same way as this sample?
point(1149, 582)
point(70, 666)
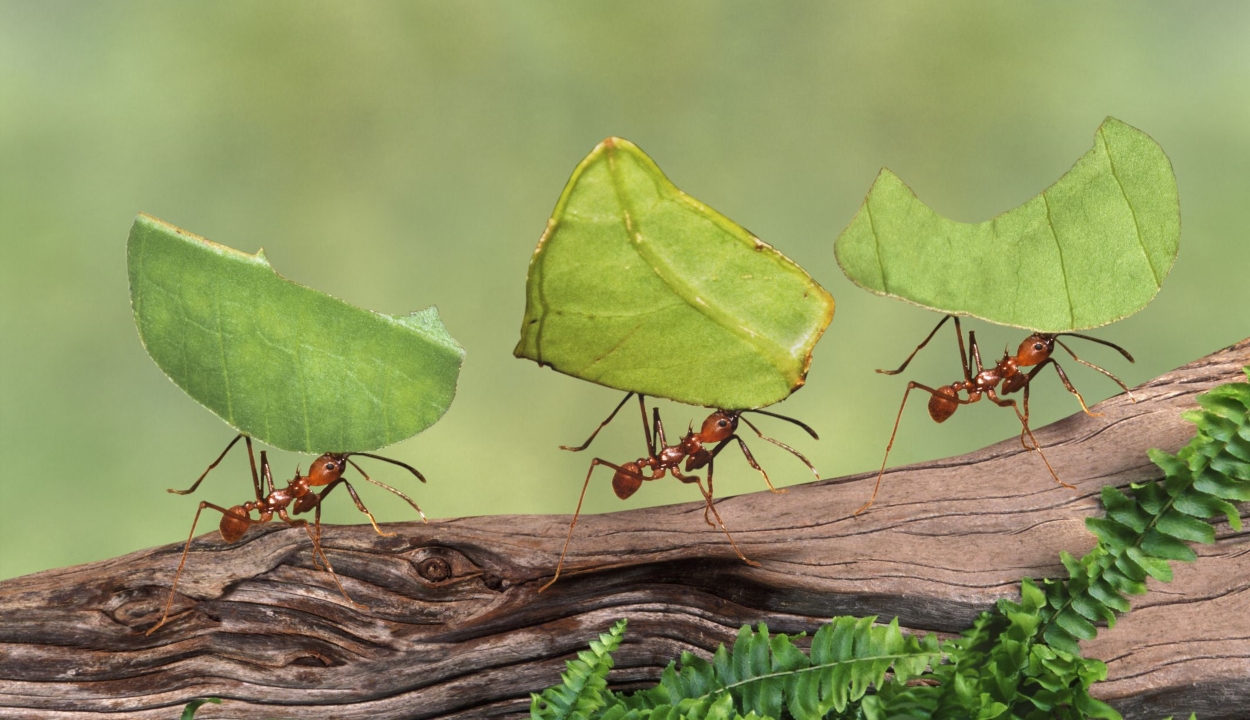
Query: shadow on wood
point(455, 628)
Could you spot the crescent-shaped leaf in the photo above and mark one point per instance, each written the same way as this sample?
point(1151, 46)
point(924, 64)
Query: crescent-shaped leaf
point(637, 286)
point(290, 366)
point(1091, 249)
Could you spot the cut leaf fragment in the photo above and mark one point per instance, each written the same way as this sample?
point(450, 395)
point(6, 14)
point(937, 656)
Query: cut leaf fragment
point(290, 366)
point(1089, 250)
point(637, 286)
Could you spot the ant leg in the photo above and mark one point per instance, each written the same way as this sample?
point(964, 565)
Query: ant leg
point(576, 513)
point(365, 475)
point(1024, 422)
point(185, 549)
point(1117, 380)
point(250, 456)
point(355, 498)
point(316, 541)
point(1066, 383)
point(781, 445)
point(976, 357)
point(648, 431)
point(678, 474)
point(591, 439)
point(746, 452)
point(711, 464)
point(880, 473)
point(660, 443)
point(707, 499)
point(266, 476)
point(1024, 425)
point(933, 332)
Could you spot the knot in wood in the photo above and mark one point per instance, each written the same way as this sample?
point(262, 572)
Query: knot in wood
point(434, 569)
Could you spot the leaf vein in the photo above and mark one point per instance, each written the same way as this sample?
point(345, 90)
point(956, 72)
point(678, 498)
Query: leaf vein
point(1063, 270)
point(876, 242)
point(681, 289)
point(1141, 241)
point(225, 370)
point(303, 387)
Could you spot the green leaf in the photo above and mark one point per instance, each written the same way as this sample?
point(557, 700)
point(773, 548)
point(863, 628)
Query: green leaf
point(1166, 547)
point(1109, 596)
point(1225, 402)
point(1238, 448)
point(1075, 624)
point(1089, 250)
point(1206, 506)
point(1223, 486)
point(1158, 569)
point(189, 711)
point(1231, 467)
point(585, 681)
point(1122, 582)
point(290, 366)
point(1089, 608)
point(1060, 639)
point(637, 286)
point(1110, 532)
point(1185, 527)
point(1122, 508)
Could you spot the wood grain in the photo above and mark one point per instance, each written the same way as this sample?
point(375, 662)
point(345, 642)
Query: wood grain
point(454, 626)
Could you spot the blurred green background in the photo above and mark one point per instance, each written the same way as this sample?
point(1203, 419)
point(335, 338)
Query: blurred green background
point(401, 154)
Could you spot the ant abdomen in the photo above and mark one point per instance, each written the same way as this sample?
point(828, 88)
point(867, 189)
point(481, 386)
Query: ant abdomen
point(627, 480)
point(943, 405)
point(232, 528)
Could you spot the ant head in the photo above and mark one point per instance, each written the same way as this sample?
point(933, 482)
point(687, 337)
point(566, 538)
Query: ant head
point(1035, 349)
point(718, 426)
point(327, 468)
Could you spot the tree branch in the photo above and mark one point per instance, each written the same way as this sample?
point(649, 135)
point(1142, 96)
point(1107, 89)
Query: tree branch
point(455, 628)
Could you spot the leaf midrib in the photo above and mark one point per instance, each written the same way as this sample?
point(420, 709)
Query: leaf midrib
point(673, 281)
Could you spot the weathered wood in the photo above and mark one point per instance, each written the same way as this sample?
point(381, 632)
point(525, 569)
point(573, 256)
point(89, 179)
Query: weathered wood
point(455, 628)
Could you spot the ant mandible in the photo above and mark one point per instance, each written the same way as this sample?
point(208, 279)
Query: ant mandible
point(326, 471)
point(978, 381)
point(720, 427)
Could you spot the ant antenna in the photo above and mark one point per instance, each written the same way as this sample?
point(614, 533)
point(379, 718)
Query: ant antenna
point(1100, 341)
point(787, 419)
point(392, 461)
point(365, 475)
point(784, 446)
point(1088, 364)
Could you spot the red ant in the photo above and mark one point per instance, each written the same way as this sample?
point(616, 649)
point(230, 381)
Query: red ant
point(720, 428)
point(326, 471)
point(1034, 351)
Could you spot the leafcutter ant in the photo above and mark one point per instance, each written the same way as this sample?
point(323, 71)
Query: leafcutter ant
point(326, 471)
point(979, 381)
point(718, 430)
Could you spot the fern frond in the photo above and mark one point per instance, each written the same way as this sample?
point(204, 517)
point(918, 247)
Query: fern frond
point(584, 690)
point(1146, 530)
point(767, 676)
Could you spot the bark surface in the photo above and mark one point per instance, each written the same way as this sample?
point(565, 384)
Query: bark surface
point(454, 626)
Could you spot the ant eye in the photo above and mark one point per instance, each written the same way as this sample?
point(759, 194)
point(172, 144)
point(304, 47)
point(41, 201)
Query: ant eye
point(330, 466)
point(1039, 346)
point(722, 423)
